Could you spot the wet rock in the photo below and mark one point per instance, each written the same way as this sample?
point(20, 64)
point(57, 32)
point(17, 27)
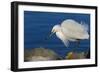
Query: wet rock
point(40, 54)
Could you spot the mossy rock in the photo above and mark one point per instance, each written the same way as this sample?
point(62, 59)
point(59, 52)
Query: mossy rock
point(40, 54)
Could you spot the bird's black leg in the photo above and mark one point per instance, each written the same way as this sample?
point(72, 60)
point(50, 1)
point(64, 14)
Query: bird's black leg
point(78, 42)
point(76, 45)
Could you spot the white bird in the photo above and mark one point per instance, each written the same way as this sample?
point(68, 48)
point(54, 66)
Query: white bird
point(70, 30)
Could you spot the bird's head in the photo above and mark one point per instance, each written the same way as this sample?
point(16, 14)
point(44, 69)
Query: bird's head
point(55, 29)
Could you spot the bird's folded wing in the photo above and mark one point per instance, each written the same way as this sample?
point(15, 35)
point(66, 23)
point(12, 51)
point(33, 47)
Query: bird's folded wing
point(71, 28)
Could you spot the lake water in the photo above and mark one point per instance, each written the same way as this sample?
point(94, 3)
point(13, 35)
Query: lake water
point(38, 26)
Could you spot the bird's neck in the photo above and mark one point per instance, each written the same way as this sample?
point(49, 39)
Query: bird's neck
point(60, 35)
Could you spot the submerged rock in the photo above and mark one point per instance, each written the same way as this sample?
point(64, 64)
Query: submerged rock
point(40, 54)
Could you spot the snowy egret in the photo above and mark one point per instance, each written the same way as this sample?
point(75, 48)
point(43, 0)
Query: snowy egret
point(70, 30)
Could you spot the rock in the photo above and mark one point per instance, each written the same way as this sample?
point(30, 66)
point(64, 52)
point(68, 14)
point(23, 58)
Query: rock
point(40, 54)
point(76, 55)
point(88, 54)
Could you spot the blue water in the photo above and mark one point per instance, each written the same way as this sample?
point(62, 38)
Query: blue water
point(38, 25)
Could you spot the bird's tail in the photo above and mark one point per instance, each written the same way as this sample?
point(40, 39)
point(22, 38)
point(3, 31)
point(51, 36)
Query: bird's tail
point(85, 26)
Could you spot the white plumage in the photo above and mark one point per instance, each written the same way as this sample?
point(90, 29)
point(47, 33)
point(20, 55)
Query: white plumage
point(70, 30)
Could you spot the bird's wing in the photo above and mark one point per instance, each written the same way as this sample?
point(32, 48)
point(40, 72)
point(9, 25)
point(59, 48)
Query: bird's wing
point(72, 29)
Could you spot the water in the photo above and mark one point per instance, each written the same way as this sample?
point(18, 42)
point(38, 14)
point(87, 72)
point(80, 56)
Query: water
point(38, 25)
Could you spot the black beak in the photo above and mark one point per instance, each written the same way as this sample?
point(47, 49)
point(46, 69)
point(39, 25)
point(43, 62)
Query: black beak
point(49, 36)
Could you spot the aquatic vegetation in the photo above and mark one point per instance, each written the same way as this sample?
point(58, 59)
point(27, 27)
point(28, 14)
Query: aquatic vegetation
point(44, 54)
point(76, 55)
